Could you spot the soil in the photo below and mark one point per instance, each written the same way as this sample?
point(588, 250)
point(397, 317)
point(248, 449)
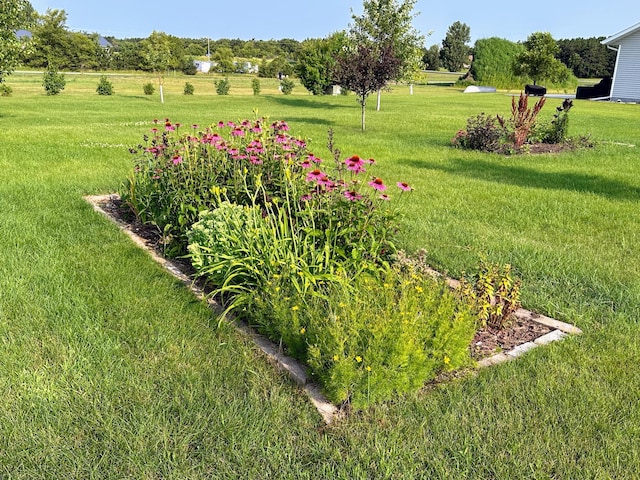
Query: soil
point(486, 342)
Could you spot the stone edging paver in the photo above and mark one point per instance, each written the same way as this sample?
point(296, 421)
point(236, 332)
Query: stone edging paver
point(297, 370)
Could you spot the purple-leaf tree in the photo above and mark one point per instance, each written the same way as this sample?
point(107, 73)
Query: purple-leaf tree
point(365, 68)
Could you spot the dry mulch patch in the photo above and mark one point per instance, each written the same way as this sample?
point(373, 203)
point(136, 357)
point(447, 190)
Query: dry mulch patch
point(486, 342)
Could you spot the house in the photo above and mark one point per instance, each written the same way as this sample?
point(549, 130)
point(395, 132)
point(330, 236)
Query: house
point(626, 76)
point(203, 66)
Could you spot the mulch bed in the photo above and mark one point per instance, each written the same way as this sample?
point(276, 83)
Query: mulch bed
point(486, 342)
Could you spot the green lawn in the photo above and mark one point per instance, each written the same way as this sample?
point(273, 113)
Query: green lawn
point(110, 368)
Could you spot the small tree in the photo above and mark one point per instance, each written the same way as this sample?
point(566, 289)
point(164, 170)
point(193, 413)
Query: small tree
point(365, 69)
point(53, 81)
point(431, 57)
point(455, 51)
point(389, 23)
point(538, 60)
point(255, 86)
point(286, 86)
point(105, 87)
point(157, 54)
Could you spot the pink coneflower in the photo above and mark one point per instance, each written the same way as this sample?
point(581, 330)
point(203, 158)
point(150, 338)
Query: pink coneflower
point(314, 175)
point(306, 164)
point(325, 182)
point(405, 187)
point(155, 120)
point(352, 195)
point(378, 184)
point(280, 138)
point(312, 158)
point(255, 160)
point(168, 127)
point(300, 143)
point(220, 124)
point(246, 123)
point(371, 161)
point(385, 197)
point(176, 159)
point(305, 198)
point(231, 124)
point(195, 126)
point(154, 130)
point(355, 164)
point(237, 132)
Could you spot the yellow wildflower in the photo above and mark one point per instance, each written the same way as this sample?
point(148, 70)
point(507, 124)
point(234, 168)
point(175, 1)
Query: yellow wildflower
point(368, 369)
point(358, 358)
point(295, 308)
point(335, 358)
point(419, 289)
point(447, 360)
point(303, 331)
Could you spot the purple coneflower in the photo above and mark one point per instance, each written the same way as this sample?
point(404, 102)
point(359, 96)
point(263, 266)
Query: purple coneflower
point(405, 187)
point(378, 184)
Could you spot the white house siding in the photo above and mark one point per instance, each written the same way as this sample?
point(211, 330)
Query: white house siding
point(626, 82)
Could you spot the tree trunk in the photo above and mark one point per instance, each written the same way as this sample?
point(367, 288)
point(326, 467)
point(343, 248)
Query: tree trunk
point(363, 113)
point(161, 95)
point(378, 104)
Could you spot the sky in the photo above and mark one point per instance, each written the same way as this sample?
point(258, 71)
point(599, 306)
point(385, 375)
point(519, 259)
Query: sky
point(277, 19)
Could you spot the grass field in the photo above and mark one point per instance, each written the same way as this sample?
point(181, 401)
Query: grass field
point(109, 368)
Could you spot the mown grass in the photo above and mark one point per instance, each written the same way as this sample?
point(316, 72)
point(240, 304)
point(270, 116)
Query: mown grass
point(109, 368)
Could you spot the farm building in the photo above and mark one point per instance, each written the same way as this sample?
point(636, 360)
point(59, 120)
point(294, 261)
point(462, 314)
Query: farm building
point(626, 76)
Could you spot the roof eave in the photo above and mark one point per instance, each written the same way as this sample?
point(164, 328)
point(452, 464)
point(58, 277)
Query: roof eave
point(615, 39)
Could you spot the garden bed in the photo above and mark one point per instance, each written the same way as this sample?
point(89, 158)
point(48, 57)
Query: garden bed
point(488, 347)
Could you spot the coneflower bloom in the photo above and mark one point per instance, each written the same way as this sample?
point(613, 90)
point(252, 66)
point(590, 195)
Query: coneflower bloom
point(176, 159)
point(314, 175)
point(385, 197)
point(352, 195)
point(377, 184)
point(405, 187)
point(355, 164)
point(325, 182)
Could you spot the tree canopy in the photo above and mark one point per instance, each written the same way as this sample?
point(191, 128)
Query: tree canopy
point(316, 62)
point(455, 51)
point(538, 60)
point(14, 15)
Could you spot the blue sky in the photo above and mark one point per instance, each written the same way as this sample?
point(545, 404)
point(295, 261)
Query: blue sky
point(276, 19)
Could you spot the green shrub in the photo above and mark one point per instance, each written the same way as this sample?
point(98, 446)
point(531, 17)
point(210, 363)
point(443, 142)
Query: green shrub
point(188, 88)
point(5, 90)
point(188, 67)
point(493, 63)
point(370, 337)
point(223, 86)
point(148, 88)
point(483, 133)
point(255, 86)
point(286, 86)
point(105, 87)
point(53, 81)
point(557, 130)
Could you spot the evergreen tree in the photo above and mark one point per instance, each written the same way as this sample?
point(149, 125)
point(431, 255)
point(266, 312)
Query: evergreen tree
point(455, 51)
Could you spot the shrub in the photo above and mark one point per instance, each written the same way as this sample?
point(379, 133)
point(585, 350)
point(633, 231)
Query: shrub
point(523, 118)
point(188, 67)
point(557, 130)
point(148, 88)
point(493, 63)
point(188, 88)
point(105, 87)
point(483, 133)
point(286, 86)
point(5, 90)
point(255, 86)
point(223, 86)
point(53, 81)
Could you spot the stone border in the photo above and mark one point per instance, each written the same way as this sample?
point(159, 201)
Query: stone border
point(559, 330)
point(296, 369)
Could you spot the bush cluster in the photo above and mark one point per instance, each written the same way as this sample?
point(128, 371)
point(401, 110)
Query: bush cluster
point(53, 81)
point(222, 86)
point(188, 88)
point(148, 88)
point(500, 135)
point(303, 249)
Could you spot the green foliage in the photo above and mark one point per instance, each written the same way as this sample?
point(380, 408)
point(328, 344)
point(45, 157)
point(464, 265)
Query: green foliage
point(431, 58)
point(188, 88)
point(276, 68)
point(388, 24)
point(222, 86)
point(483, 133)
point(494, 293)
point(5, 90)
point(105, 87)
point(316, 62)
point(14, 15)
point(455, 51)
point(188, 67)
point(538, 61)
point(148, 88)
point(255, 86)
point(53, 81)
point(587, 57)
point(223, 59)
point(286, 86)
point(157, 54)
point(556, 131)
point(493, 60)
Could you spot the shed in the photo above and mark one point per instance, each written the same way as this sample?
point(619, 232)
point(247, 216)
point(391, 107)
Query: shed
point(626, 76)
